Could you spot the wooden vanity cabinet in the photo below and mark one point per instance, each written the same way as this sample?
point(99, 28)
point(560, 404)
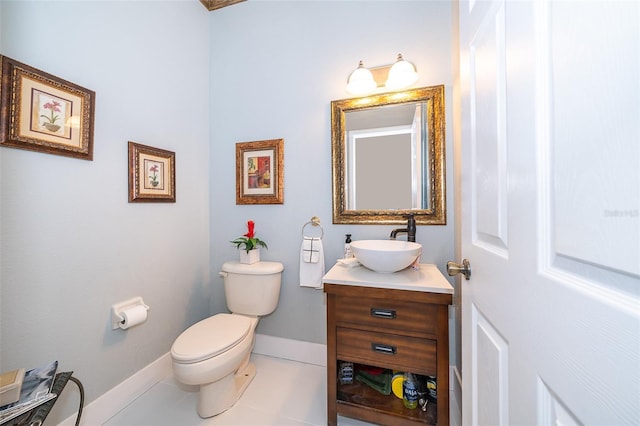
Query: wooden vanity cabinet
point(402, 330)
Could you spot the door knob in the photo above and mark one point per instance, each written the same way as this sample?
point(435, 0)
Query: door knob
point(454, 268)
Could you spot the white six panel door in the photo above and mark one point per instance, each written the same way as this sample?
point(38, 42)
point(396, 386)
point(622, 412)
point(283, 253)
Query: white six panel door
point(550, 102)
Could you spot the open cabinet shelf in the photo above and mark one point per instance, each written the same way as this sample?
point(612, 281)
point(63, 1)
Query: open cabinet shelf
point(358, 395)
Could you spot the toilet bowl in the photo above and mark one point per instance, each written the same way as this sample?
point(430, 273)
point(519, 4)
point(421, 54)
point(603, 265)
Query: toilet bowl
point(214, 353)
point(219, 365)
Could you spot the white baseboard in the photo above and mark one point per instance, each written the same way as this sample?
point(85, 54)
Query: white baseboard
point(295, 350)
point(109, 404)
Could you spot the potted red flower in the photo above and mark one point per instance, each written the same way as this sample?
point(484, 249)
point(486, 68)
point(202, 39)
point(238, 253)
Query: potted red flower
point(250, 245)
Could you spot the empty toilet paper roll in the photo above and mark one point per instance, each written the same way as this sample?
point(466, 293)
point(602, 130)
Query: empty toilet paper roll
point(133, 316)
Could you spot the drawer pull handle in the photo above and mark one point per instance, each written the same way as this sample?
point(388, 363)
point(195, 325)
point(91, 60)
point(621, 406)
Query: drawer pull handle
point(383, 313)
point(383, 349)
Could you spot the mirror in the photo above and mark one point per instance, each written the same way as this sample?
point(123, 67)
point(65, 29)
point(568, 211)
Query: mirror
point(388, 158)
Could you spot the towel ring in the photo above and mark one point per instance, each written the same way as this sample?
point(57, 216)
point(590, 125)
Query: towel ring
point(315, 221)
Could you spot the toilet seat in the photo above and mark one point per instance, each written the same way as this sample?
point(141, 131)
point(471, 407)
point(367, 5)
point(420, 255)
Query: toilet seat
point(210, 337)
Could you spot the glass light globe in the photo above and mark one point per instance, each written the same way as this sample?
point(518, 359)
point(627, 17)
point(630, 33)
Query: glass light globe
point(361, 81)
point(402, 74)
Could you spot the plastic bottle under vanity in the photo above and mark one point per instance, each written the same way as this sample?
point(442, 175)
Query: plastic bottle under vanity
point(410, 391)
point(348, 254)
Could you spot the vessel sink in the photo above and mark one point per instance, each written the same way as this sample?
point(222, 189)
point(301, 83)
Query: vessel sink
point(386, 256)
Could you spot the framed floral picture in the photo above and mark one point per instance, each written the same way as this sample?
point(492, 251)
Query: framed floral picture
point(41, 112)
point(152, 174)
point(260, 172)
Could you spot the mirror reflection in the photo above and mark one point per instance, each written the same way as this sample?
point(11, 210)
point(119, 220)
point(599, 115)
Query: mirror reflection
point(384, 160)
point(388, 157)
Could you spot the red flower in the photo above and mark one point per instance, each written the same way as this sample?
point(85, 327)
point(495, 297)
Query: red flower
point(251, 225)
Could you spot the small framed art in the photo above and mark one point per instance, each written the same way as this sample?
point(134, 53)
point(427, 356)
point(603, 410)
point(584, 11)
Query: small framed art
point(41, 112)
point(152, 174)
point(260, 172)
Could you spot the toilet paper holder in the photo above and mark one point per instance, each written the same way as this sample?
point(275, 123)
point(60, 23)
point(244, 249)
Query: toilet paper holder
point(117, 308)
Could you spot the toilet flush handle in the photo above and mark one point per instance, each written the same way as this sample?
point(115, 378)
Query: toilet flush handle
point(222, 274)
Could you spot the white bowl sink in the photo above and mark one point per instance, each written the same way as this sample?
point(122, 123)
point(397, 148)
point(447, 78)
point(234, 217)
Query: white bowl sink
point(386, 256)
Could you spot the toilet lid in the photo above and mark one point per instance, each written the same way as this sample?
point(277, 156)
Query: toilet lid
point(210, 337)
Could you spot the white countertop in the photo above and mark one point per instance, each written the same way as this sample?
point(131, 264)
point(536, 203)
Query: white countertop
point(427, 278)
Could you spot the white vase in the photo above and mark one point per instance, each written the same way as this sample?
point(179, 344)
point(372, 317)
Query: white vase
point(252, 256)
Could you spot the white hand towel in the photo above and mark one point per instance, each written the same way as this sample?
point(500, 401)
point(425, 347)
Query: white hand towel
point(310, 249)
point(311, 273)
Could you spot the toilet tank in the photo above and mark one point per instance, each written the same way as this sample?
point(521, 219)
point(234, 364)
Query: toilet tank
point(252, 289)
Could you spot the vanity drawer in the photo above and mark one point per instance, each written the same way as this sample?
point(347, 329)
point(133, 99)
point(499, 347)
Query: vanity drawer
point(410, 353)
point(385, 313)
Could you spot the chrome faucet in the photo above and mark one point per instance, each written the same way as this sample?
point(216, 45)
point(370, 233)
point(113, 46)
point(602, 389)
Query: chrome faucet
point(410, 230)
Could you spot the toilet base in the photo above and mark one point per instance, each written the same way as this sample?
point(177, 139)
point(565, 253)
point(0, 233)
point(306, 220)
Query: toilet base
point(219, 396)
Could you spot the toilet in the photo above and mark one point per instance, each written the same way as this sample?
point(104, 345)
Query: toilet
point(214, 353)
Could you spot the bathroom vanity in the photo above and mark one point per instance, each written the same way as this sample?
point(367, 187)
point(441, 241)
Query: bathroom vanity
point(396, 321)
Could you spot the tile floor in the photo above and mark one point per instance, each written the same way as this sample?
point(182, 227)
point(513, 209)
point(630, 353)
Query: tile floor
point(298, 398)
point(283, 393)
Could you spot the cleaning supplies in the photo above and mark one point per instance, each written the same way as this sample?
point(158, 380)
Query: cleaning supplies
point(375, 377)
point(410, 391)
point(345, 373)
point(347, 247)
point(396, 383)
point(432, 391)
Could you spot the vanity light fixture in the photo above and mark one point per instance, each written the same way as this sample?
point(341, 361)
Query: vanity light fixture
point(400, 75)
point(361, 81)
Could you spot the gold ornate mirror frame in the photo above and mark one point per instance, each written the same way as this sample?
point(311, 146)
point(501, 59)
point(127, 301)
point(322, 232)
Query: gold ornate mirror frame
point(435, 214)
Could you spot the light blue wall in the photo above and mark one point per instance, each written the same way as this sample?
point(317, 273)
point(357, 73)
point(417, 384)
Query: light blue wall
point(276, 66)
point(71, 244)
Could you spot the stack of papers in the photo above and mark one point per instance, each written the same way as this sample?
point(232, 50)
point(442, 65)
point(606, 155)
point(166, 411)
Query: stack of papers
point(36, 390)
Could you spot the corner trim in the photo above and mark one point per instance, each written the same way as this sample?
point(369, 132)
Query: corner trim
point(455, 396)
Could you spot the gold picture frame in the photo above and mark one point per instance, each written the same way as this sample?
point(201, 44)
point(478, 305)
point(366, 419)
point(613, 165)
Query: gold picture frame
point(260, 172)
point(44, 113)
point(152, 174)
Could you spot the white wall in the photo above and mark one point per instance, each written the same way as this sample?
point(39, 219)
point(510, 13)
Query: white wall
point(276, 66)
point(71, 243)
